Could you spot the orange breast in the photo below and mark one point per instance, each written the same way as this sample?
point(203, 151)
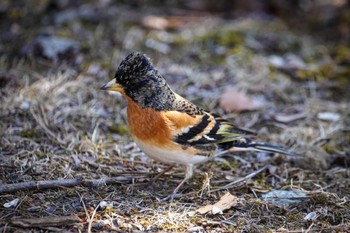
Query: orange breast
point(152, 131)
point(147, 125)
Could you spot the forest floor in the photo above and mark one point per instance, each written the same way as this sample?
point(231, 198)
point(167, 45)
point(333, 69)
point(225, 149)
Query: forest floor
point(68, 163)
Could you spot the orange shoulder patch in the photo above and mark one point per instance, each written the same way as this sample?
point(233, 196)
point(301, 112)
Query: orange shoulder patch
point(179, 120)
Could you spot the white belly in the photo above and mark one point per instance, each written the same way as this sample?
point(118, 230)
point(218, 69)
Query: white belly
point(171, 157)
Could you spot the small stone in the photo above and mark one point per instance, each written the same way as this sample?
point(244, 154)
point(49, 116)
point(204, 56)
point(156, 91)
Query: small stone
point(312, 216)
point(12, 203)
point(328, 116)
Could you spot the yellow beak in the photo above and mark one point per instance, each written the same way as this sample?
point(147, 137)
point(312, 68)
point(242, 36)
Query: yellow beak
point(113, 86)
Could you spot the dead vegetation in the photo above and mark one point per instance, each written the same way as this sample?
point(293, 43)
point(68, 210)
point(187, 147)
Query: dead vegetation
point(57, 127)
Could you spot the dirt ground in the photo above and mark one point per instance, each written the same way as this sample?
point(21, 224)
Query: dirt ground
point(68, 163)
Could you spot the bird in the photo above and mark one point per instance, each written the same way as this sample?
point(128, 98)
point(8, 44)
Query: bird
point(170, 129)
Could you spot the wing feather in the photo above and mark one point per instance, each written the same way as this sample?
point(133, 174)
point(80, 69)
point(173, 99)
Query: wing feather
point(207, 132)
point(203, 129)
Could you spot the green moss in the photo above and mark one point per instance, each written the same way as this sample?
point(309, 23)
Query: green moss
point(179, 41)
point(101, 159)
point(261, 184)
point(230, 39)
point(224, 37)
point(342, 53)
point(30, 133)
point(119, 129)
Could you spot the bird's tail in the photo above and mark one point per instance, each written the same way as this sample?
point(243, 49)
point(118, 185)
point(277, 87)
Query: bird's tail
point(271, 148)
point(249, 145)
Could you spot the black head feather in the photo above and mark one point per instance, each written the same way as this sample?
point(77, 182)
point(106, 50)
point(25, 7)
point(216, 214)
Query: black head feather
point(142, 82)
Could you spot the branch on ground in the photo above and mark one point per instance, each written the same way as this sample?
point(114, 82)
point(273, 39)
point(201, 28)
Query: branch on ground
point(51, 184)
point(46, 221)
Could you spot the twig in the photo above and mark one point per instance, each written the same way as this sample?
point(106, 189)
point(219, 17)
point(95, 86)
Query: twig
point(46, 184)
point(92, 218)
point(234, 183)
point(162, 173)
point(84, 206)
point(50, 184)
point(46, 221)
point(309, 229)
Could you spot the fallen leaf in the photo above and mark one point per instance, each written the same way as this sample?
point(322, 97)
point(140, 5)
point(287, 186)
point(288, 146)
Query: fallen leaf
point(234, 101)
point(168, 22)
point(225, 202)
point(204, 209)
point(155, 22)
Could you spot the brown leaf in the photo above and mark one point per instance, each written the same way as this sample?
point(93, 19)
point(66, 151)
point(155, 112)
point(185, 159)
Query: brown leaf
point(204, 209)
point(225, 202)
point(162, 23)
point(168, 22)
point(234, 101)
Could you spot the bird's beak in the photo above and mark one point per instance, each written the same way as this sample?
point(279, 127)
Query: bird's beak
point(113, 86)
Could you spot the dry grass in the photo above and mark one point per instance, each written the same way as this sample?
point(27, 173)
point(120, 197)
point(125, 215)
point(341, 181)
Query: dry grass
point(56, 124)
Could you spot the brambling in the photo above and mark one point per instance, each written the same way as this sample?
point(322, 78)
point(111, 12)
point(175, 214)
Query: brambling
point(169, 128)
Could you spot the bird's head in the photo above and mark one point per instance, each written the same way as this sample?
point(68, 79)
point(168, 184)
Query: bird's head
point(137, 79)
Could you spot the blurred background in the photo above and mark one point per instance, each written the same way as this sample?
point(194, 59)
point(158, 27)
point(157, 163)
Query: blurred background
point(280, 68)
point(92, 28)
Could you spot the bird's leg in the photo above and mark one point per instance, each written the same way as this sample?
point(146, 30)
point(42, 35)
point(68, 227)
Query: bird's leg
point(161, 173)
point(188, 175)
